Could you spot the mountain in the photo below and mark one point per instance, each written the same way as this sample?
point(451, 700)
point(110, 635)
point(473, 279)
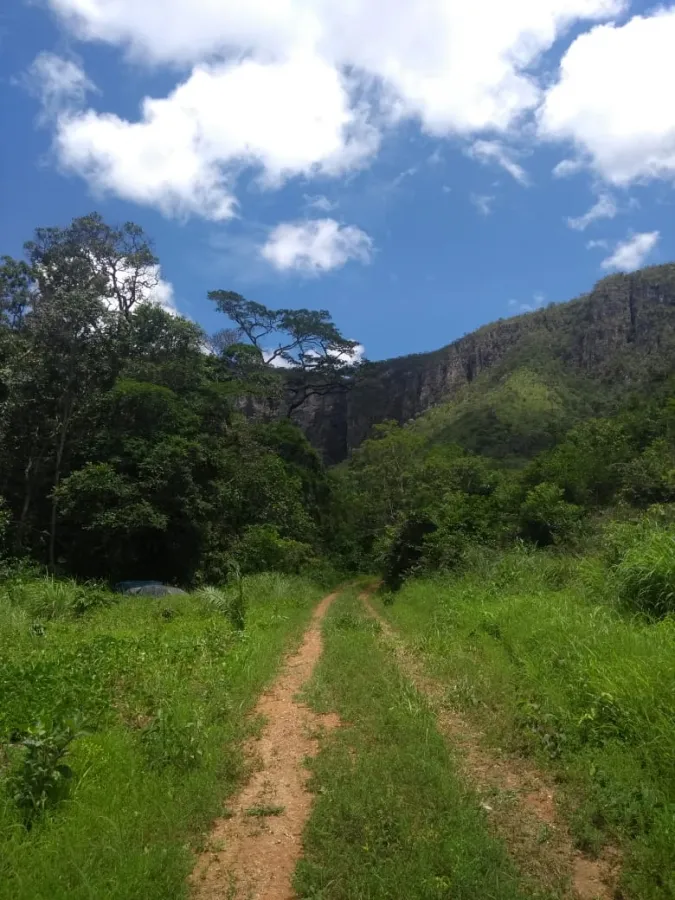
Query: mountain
point(549, 367)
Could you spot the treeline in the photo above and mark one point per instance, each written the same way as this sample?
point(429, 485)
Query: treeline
point(122, 451)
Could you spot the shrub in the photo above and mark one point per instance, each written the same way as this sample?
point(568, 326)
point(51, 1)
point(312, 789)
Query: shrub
point(405, 551)
point(645, 576)
point(545, 517)
point(232, 605)
point(262, 549)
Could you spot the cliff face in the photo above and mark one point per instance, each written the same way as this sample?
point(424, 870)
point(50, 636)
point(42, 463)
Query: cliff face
point(621, 334)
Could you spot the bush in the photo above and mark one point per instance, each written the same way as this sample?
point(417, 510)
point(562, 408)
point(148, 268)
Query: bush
point(405, 550)
point(262, 549)
point(645, 576)
point(48, 598)
point(545, 517)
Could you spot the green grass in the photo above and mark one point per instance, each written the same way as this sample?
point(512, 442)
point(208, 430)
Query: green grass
point(261, 812)
point(391, 818)
point(536, 649)
point(163, 687)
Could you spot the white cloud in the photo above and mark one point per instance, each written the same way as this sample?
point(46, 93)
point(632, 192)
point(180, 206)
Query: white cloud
point(320, 203)
point(355, 356)
point(631, 254)
point(567, 167)
point(289, 118)
point(316, 246)
point(600, 244)
point(483, 203)
point(538, 300)
point(614, 98)
point(149, 288)
point(163, 295)
point(58, 83)
point(604, 208)
point(401, 177)
point(268, 87)
point(495, 151)
point(277, 362)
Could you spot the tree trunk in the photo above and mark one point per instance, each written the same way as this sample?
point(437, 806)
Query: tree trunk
point(25, 507)
point(57, 481)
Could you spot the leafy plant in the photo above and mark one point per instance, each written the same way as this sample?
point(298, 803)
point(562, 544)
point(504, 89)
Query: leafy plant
point(168, 740)
point(41, 779)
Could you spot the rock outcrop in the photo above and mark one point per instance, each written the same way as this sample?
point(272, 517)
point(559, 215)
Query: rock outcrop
point(622, 333)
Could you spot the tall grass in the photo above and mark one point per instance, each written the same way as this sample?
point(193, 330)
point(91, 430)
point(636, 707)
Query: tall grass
point(155, 692)
point(541, 650)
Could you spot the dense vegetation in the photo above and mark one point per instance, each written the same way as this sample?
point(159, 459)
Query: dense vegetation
point(122, 451)
point(524, 531)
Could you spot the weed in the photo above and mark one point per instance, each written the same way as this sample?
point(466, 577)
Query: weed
point(263, 811)
point(41, 778)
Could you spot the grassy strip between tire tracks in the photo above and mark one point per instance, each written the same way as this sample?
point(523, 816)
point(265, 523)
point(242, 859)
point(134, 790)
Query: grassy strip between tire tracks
point(391, 817)
point(164, 687)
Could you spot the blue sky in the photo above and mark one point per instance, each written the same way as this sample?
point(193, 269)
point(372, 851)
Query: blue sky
point(417, 169)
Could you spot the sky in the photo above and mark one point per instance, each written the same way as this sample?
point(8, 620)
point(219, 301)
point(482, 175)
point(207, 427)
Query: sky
point(418, 169)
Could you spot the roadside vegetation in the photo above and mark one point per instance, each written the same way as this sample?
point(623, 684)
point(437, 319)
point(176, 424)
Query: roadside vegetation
point(122, 720)
point(539, 650)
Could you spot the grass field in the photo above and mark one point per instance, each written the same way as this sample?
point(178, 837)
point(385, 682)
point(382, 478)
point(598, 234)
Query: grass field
point(534, 649)
point(156, 692)
point(391, 818)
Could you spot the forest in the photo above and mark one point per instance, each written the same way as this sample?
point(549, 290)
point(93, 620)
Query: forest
point(519, 537)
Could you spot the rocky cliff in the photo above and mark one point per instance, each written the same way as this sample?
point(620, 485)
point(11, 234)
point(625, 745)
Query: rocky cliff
point(621, 334)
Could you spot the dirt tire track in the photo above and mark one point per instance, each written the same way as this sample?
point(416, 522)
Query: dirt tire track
point(529, 811)
point(253, 857)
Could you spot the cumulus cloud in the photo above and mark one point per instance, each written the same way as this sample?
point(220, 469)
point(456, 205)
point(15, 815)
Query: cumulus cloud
point(604, 208)
point(149, 288)
point(315, 246)
point(162, 294)
point(57, 82)
point(496, 152)
point(630, 254)
point(269, 86)
point(613, 98)
point(183, 155)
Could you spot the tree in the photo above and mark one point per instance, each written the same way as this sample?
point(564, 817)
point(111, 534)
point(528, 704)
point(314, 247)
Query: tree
point(117, 263)
point(318, 359)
